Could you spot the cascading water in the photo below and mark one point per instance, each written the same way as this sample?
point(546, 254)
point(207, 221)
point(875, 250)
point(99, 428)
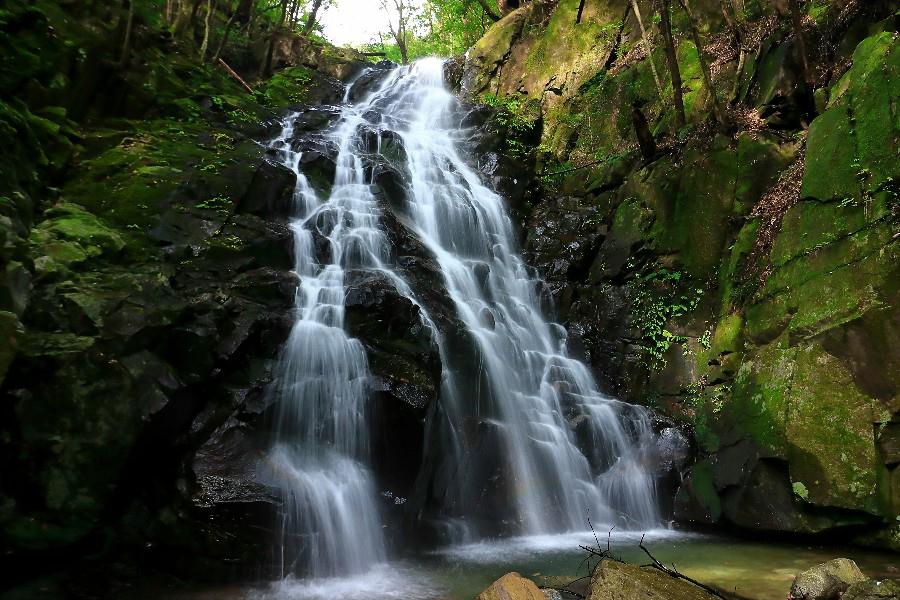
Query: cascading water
point(535, 390)
point(320, 460)
point(533, 395)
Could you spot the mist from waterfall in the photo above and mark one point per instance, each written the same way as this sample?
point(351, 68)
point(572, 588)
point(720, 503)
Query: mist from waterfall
point(527, 392)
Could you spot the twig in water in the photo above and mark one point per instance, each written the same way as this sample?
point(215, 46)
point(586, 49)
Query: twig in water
point(673, 572)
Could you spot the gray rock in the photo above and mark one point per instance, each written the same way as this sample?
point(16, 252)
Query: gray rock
point(827, 581)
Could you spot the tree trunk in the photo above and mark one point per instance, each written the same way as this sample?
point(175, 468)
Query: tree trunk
point(311, 20)
point(646, 40)
point(797, 19)
point(704, 66)
point(126, 45)
point(401, 44)
point(245, 10)
point(399, 33)
point(734, 17)
point(181, 19)
point(672, 61)
point(194, 10)
point(580, 12)
point(491, 14)
point(267, 63)
point(644, 136)
point(225, 34)
point(207, 24)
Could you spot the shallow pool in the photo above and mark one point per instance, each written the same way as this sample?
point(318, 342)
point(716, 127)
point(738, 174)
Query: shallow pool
point(752, 569)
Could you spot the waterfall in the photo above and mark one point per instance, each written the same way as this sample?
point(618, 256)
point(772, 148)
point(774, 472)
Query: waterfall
point(565, 453)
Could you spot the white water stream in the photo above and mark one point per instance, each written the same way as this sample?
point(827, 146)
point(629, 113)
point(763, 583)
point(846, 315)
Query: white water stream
point(534, 393)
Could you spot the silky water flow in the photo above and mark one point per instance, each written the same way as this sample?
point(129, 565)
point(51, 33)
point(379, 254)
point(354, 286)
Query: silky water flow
point(534, 392)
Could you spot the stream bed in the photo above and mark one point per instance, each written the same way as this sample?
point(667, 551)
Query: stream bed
point(755, 570)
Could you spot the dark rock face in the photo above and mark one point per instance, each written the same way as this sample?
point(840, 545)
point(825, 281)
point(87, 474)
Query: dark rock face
point(142, 310)
point(271, 191)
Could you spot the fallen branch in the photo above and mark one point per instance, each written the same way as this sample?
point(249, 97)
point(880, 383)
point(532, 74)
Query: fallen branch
point(236, 76)
point(673, 572)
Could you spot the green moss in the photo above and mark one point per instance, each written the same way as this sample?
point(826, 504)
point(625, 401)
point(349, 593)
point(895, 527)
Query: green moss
point(759, 403)
point(288, 87)
point(810, 226)
point(800, 490)
point(854, 148)
point(693, 224)
point(72, 223)
point(704, 488)
point(830, 433)
point(734, 281)
point(835, 283)
point(728, 334)
point(830, 158)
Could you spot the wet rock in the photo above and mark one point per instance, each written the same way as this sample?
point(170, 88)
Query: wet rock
point(673, 450)
point(271, 191)
point(512, 586)
point(618, 581)
point(227, 468)
point(316, 119)
point(370, 80)
point(827, 581)
point(508, 177)
point(453, 73)
point(767, 502)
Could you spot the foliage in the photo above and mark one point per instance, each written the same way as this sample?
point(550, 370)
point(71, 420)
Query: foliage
point(657, 298)
point(510, 119)
point(439, 28)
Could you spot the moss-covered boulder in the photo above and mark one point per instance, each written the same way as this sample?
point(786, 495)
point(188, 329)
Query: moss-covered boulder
point(614, 580)
point(854, 148)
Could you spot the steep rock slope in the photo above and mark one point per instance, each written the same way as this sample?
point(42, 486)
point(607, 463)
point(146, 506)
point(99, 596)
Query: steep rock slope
point(145, 290)
point(743, 278)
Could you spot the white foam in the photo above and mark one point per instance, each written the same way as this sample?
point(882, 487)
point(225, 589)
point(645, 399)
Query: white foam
point(531, 546)
point(383, 582)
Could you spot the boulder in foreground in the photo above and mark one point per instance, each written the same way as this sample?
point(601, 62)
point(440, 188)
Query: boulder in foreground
point(512, 586)
point(827, 581)
point(619, 581)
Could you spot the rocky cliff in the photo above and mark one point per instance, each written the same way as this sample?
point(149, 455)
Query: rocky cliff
point(145, 291)
point(742, 277)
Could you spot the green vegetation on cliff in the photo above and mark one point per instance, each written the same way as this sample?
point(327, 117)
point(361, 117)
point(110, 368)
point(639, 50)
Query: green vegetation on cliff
point(785, 219)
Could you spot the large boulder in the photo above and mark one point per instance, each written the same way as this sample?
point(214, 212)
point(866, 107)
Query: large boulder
point(512, 586)
point(614, 580)
point(827, 581)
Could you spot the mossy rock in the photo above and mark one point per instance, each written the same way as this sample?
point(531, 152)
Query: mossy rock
point(697, 499)
point(801, 404)
point(70, 236)
point(832, 284)
point(288, 87)
point(759, 403)
point(613, 580)
point(830, 433)
point(809, 226)
point(854, 148)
